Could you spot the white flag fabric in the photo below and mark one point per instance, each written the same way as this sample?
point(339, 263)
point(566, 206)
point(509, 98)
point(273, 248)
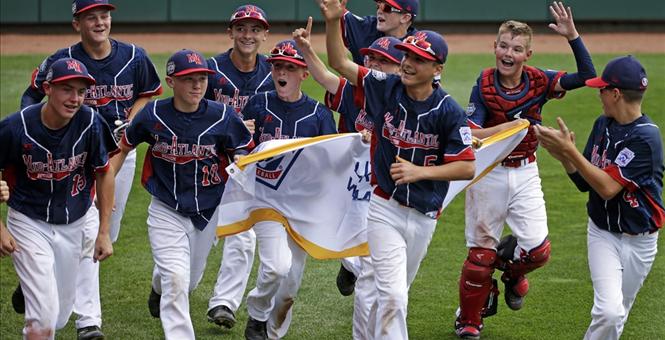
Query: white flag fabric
point(493, 150)
point(317, 188)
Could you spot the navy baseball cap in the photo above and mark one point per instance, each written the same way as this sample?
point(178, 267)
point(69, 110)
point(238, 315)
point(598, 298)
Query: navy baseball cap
point(68, 68)
point(80, 6)
point(286, 50)
point(624, 73)
point(385, 46)
point(250, 12)
point(185, 62)
point(427, 44)
point(408, 6)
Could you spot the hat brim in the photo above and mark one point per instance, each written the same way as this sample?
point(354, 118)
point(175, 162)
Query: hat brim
point(263, 22)
point(87, 8)
point(89, 80)
point(192, 70)
point(416, 50)
point(394, 4)
point(597, 82)
point(287, 59)
point(366, 50)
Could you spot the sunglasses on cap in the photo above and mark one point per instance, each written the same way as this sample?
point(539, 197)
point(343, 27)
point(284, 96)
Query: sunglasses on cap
point(286, 51)
point(386, 8)
point(248, 15)
point(420, 44)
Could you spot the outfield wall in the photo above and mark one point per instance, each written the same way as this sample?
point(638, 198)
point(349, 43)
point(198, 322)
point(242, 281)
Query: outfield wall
point(285, 11)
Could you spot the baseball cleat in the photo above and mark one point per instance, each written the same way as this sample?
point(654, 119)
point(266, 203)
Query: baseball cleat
point(515, 291)
point(18, 300)
point(89, 333)
point(256, 330)
point(346, 281)
point(153, 303)
point(222, 316)
point(467, 332)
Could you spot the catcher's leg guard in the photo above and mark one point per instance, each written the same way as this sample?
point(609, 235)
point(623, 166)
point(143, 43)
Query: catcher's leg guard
point(517, 285)
point(475, 286)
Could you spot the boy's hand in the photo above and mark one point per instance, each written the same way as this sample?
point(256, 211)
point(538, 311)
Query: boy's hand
point(302, 36)
point(332, 10)
point(564, 21)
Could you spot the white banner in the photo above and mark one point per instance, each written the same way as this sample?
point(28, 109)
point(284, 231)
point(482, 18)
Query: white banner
point(318, 189)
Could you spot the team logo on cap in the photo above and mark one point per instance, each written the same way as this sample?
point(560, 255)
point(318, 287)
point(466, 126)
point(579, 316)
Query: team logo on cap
point(194, 58)
point(73, 7)
point(384, 43)
point(74, 65)
point(645, 82)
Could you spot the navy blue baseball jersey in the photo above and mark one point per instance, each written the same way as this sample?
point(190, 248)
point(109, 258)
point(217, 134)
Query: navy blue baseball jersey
point(491, 104)
point(277, 119)
point(426, 133)
point(633, 155)
point(52, 172)
point(121, 78)
point(360, 32)
point(232, 87)
point(353, 118)
point(184, 164)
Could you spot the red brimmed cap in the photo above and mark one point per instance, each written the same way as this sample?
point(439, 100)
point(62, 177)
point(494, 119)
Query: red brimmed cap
point(427, 44)
point(408, 6)
point(249, 12)
point(80, 6)
point(386, 46)
point(185, 62)
point(286, 50)
point(68, 68)
point(624, 73)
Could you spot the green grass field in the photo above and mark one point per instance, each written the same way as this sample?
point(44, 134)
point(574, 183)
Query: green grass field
point(558, 305)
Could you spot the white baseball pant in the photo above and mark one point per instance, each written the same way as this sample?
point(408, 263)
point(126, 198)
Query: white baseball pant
point(398, 238)
point(234, 271)
point(274, 265)
point(180, 252)
point(365, 295)
point(353, 264)
point(510, 195)
point(618, 263)
point(87, 305)
point(47, 267)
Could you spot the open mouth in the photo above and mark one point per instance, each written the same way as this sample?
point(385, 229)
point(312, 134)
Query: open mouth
point(507, 63)
point(281, 83)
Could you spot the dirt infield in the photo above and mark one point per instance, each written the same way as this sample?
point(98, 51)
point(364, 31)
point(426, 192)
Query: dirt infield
point(12, 44)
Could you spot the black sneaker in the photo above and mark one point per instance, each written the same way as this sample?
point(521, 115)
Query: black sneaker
point(18, 300)
point(89, 333)
point(346, 281)
point(256, 330)
point(153, 303)
point(515, 291)
point(222, 316)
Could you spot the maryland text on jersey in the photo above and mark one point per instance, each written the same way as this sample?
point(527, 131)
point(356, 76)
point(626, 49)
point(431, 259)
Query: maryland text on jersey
point(405, 138)
point(363, 122)
point(53, 169)
point(236, 101)
point(182, 153)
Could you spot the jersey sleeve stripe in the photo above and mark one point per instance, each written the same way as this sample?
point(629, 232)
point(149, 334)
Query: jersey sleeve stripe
point(465, 155)
point(551, 92)
point(104, 168)
point(615, 172)
point(473, 125)
point(334, 101)
point(152, 93)
point(342, 23)
point(658, 214)
point(126, 142)
point(33, 81)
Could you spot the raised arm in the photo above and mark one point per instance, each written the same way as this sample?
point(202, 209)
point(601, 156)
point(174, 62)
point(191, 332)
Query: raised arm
point(332, 11)
point(565, 26)
point(316, 67)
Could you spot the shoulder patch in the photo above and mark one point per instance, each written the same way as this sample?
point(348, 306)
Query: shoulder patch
point(624, 157)
point(470, 109)
point(378, 75)
point(465, 134)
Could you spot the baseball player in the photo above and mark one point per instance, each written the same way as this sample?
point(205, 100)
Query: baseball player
point(382, 56)
point(511, 192)
point(240, 73)
point(55, 152)
point(284, 113)
point(394, 18)
point(189, 137)
point(126, 79)
point(622, 169)
point(423, 142)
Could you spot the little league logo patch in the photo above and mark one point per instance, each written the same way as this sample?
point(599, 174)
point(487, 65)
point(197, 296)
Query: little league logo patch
point(465, 133)
point(624, 157)
point(272, 171)
point(470, 109)
point(170, 67)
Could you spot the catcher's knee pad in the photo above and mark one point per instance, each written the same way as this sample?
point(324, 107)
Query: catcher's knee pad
point(528, 261)
point(475, 284)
